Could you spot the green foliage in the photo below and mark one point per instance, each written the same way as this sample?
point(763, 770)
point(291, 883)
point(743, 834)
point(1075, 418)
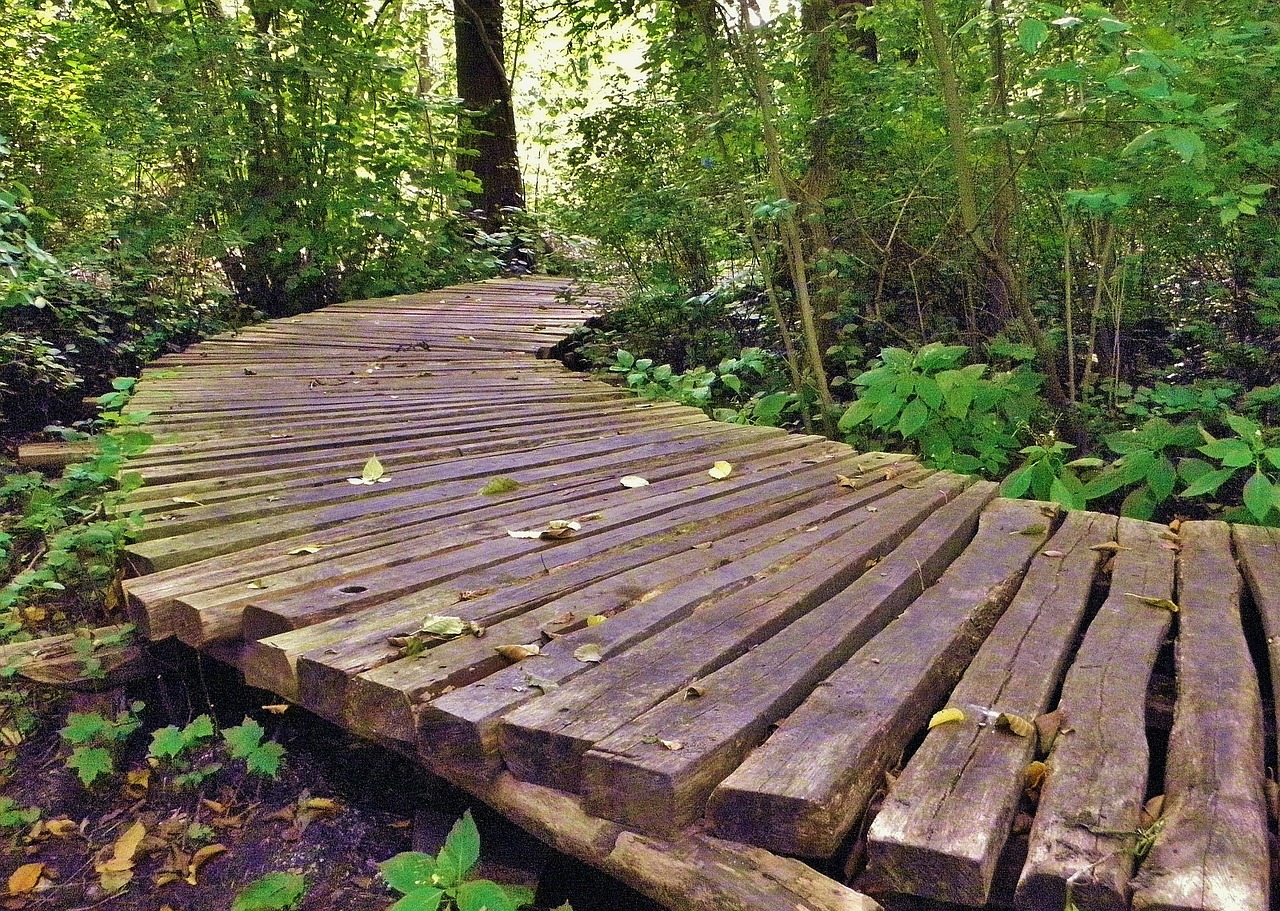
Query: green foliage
point(273, 892)
point(244, 742)
point(95, 739)
point(1249, 448)
point(1047, 475)
point(13, 816)
point(960, 417)
point(1145, 467)
point(441, 882)
point(172, 743)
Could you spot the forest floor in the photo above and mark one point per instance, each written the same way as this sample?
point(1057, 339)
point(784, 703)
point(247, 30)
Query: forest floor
point(338, 807)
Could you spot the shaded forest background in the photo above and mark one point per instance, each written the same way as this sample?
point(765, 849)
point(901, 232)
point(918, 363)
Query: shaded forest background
point(1011, 237)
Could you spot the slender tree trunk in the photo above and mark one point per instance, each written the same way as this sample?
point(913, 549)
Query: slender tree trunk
point(486, 93)
point(1005, 286)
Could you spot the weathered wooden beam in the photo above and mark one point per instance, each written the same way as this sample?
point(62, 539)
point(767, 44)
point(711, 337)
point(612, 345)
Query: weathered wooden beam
point(802, 791)
point(1211, 853)
point(1082, 845)
point(944, 822)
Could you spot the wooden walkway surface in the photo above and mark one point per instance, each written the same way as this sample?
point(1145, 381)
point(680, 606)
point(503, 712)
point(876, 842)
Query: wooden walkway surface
point(722, 673)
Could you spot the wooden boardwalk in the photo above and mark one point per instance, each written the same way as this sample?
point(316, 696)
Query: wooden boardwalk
point(722, 673)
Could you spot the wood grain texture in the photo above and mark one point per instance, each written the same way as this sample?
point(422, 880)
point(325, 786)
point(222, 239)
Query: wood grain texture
point(1086, 825)
point(943, 824)
point(1211, 854)
point(802, 790)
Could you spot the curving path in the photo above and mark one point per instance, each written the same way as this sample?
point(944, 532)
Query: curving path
point(690, 682)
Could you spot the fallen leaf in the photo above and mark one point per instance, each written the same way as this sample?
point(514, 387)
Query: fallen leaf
point(372, 473)
point(596, 619)
point(441, 626)
point(1016, 724)
point(588, 654)
point(321, 806)
point(304, 549)
point(703, 546)
point(187, 500)
point(1048, 726)
point(126, 845)
point(525, 534)
point(61, 828)
point(560, 528)
point(1033, 775)
point(1053, 553)
point(202, 857)
point(112, 881)
point(1162, 603)
point(136, 783)
point(515, 653)
point(166, 878)
point(873, 509)
point(672, 745)
point(471, 594)
point(256, 584)
point(844, 481)
point(277, 709)
point(25, 878)
point(945, 717)
point(693, 692)
point(1152, 811)
point(1110, 547)
point(720, 470)
point(545, 685)
point(633, 480)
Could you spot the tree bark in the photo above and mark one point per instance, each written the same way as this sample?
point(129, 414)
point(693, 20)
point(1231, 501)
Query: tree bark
point(485, 91)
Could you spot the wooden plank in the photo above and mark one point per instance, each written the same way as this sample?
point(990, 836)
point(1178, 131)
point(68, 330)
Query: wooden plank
point(944, 822)
point(802, 791)
point(1211, 854)
point(1259, 551)
point(383, 701)
point(212, 531)
point(618, 518)
point(152, 598)
point(633, 777)
point(695, 872)
point(324, 656)
point(1091, 801)
point(543, 741)
point(56, 456)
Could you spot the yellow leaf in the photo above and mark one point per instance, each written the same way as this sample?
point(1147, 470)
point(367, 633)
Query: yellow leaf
point(470, 594)
point(187, 500)
point(1162, 603)
point(1110, 547)
point(137, 782)
point(945, 717)
point(633, 480)
point(202, 857)
point(1053, 553)
point(256, 584)
point(514, 653)
point(25, 878)
point(112, 881)
point(588, 654)
point(672, 745)
point(61, 828)
point(1031, 531)
point(1016, 724)
point(1034, 774)
point(372, 469)
point(277, 709)
point(844, 481)
point(166, 878)
point(596, 619)
point(321, 806)
point(304, 549)
point(720, 470)
point(11, 736)
point(127, 844)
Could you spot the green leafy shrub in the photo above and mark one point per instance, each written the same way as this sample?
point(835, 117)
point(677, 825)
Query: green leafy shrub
point(1249, 448)
point(961, 418)
point(1146, 466)
point(95, 739)
point(429, 883)
point(245, 742)
point(1047, 475)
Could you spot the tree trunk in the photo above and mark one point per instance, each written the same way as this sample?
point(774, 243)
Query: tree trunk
point(486, 94)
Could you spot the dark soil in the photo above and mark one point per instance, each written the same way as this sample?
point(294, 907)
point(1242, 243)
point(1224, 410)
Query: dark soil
point(339, 807)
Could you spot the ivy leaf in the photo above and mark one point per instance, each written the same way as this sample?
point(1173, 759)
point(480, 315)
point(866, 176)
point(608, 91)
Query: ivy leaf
point(90, 763)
